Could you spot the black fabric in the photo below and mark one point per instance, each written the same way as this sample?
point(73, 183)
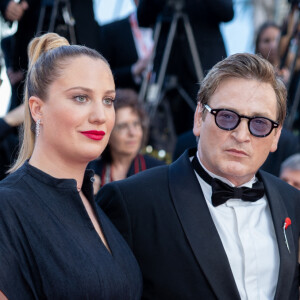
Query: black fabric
point(87, 29)
point(221, 192)
point(9, 142)
point(3, 5)
point(163, 215)
point(184, 141)
point(114, 36)
point(49, 248)
point(5, 129)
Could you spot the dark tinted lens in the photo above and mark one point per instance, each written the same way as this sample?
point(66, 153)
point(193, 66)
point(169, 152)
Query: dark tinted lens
point(227, 119)
point(260, 126)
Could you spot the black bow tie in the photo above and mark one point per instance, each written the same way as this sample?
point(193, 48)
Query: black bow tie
point(221, 191)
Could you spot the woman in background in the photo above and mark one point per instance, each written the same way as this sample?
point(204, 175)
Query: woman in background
point(267, 44)
point(55, 243)
point(121, 158)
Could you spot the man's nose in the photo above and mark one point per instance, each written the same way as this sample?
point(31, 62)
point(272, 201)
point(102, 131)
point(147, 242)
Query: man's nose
point(241, 133)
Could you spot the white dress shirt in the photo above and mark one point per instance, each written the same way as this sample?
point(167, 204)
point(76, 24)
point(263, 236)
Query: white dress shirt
point(248, 237)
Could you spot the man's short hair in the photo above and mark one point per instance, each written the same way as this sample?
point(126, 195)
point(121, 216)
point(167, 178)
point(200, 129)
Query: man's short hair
point(292, 163)
point(246, 66)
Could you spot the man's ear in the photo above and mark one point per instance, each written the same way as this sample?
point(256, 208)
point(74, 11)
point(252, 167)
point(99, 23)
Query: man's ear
point(36, 107)
point(197, 120)
point(276, 139)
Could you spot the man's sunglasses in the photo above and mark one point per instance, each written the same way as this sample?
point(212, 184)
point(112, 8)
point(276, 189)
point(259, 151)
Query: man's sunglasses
point(227, 119)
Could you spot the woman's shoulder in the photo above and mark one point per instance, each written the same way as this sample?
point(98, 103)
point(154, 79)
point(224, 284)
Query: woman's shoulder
point(11, 187)
point(12, 204)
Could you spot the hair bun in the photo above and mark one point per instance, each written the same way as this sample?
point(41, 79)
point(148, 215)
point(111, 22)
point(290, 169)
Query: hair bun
point(44, 43)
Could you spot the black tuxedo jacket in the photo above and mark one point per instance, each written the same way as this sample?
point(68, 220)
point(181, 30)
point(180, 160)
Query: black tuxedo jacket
point(118, 47)
point(164, 217)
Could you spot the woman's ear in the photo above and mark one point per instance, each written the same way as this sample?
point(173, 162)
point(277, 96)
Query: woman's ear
point(36, 107)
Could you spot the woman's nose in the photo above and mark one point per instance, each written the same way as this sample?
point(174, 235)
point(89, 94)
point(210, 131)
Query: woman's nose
point(97, 114)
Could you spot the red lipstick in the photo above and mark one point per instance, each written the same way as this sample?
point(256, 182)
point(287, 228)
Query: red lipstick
point(94, 134)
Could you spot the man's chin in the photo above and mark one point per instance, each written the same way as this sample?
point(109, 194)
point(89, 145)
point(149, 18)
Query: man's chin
point(237, 173)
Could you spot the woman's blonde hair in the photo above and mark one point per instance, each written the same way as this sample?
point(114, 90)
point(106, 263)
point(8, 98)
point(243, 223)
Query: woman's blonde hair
point(48, 55)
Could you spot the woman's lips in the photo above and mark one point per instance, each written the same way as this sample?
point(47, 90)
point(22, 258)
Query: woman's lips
point(94, 134)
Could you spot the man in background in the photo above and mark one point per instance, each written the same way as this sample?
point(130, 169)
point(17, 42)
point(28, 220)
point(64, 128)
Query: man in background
point(290, 170)
point(128, 48)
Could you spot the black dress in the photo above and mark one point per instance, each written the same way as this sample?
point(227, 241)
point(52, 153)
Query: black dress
point(49, 248)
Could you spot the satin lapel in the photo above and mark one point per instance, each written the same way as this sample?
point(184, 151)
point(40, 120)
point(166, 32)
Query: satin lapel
point(287, 259)
point(199, 228)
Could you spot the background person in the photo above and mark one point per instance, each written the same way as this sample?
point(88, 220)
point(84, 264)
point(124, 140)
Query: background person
point(122, 157)
point(9, 138)
point(54, 242)
point(267, 44)
point(15, 46)
point(87, 32)
point(12, 10)
point(12, 119)
point(218, 227)
point(127, 63)
point(205, 17)
point(290, 170)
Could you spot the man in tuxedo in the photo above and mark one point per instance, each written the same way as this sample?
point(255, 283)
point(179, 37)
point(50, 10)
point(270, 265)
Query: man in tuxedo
point(210, 225)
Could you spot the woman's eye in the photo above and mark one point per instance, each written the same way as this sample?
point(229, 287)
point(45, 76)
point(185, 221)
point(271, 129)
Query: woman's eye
point(81, 98)
point(108, 101)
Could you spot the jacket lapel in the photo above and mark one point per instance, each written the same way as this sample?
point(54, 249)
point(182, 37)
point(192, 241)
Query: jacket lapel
point(287, 259)
point(199, 228)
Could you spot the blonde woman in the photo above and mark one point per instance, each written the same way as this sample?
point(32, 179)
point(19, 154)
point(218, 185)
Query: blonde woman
point(54, 242)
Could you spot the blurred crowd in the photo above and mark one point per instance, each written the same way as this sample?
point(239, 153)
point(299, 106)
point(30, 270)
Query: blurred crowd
point(135, 50)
